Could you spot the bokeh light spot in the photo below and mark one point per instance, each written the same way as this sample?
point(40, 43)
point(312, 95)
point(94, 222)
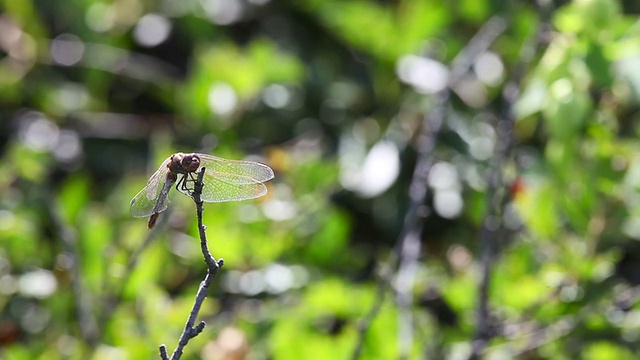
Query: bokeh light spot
point(427, 76)
point(489, 68)
point(67, 49)
point(152, 30)
point(100, 17)
point(279, 278)
point(37, 132)
point(448, 203)
point(38, 283)
point(276, 96)
point(223, 12)
point(222, 99)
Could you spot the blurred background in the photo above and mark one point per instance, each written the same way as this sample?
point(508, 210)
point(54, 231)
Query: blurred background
point(454, 180)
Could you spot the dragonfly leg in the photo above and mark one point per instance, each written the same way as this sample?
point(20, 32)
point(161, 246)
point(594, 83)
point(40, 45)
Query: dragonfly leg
point(185, 181)
point(180, 183)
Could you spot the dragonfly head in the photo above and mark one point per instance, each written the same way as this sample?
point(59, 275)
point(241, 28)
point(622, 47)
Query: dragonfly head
point(184, 163)
point(190, 162)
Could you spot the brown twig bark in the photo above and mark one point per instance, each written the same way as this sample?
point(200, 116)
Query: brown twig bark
point(213, 266)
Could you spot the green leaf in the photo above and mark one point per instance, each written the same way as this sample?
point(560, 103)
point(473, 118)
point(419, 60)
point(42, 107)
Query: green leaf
point(605, 350)
point(73, 197)
point(567, 110)
point(539, 211)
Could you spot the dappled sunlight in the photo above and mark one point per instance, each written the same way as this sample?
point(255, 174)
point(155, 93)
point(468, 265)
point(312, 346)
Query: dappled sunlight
point(319, 179)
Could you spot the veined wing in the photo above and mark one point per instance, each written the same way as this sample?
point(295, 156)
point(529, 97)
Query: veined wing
point(221, 187)
point(227, 187)
point(145, 202)
point(240, 172)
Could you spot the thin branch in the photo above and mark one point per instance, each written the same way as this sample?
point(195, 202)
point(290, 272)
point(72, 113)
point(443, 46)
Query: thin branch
point(213, 267)
point(365, 323)
point(409, 246)
point(163, 352)
point(562, 327)
point(478, 45)
point(492, 227)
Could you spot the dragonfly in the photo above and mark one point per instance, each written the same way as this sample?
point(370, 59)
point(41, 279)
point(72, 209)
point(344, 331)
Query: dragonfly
point(224, 180)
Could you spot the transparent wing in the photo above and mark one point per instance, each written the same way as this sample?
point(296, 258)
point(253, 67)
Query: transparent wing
point(145, 202)
point(221, 187)
point(230, 180)
point(245, 172)
point(227, 187)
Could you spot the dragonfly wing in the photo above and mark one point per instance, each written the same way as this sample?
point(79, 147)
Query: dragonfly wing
point(156, 181)
point(145, 202)
point(225, 187)
point(141, 206)
point(247, 171)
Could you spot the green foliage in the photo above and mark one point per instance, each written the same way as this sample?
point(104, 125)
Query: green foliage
point(325, 324)
point(90, 106)
point(415, 20)
point(247, 71)
point(605, 350)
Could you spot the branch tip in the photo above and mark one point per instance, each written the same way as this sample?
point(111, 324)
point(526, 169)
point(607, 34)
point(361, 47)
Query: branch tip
point(163, 352)
point(198, 329)
point(213, 266)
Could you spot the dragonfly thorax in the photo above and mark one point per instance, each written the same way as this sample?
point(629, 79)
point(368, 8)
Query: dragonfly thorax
point(184, 163)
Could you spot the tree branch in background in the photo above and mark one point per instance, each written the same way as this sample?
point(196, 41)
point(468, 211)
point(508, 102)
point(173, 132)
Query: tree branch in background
point(86, 318)
point(493, 227)
point(213, 267)
point(409, 246)
point(114, 299)
point(365, 323)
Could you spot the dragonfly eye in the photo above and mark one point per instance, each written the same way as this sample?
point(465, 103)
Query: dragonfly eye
point(191, 162)
point(177, 158)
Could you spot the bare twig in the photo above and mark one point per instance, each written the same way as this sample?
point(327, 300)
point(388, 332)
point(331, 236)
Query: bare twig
point(163, 352)
point(213, 267)
point(492, 226)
